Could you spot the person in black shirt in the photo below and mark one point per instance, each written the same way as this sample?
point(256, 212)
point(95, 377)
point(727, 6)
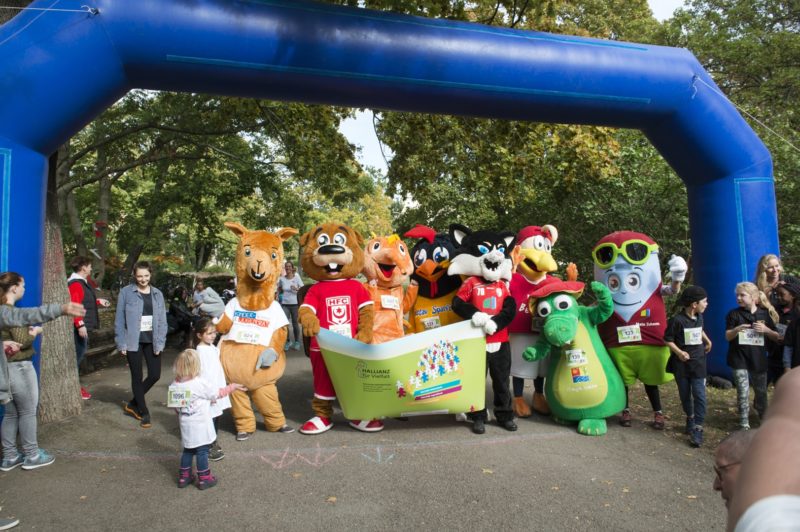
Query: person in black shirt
point(787, 293)
point(689, 345)
point(746, 328)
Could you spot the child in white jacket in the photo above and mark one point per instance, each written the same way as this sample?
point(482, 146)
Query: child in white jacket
point(191, 395)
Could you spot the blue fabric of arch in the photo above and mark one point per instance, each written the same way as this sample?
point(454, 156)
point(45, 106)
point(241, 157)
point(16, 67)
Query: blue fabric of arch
point(58, 70)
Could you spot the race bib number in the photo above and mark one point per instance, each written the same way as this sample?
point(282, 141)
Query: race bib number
point(390, 302)
point(146, 325)
point(576, 358)
point(178, 397)
point(629, 333)
point(431, 323)
point(750, 337)
point(245, 336)
point(343, 330)
point(693, 336)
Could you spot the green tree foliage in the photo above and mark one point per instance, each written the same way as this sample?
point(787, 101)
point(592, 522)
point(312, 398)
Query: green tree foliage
point(752, 50)
point(587, 181)
point(162, 171)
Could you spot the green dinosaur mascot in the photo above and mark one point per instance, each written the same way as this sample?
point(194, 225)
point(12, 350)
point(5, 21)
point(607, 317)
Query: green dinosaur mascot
point(583, 384)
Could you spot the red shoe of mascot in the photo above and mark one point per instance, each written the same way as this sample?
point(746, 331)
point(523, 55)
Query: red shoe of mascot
point(255, 329)
point(332, 255)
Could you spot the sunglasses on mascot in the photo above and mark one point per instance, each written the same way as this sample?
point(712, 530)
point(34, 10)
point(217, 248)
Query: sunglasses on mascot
point(635, 251)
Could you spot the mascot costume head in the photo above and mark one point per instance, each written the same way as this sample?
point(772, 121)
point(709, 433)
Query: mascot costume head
point(255, 329)
point(332, 254)
point(627, 263)
point(535, 251)
point(431, 256)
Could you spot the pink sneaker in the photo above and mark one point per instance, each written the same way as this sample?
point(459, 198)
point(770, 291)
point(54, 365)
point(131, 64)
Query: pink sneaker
point(85, 394)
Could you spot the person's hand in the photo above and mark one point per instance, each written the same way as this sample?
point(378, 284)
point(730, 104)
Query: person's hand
point(123, 352)
point(73, 309)
point(490, 327)
point(35, 330)
point(708, 347)
point(156, 353)
point(104, 302)
point(82, 332)
point(239, 387)
point(11, 348)
point(684, 356)
point(760, 327)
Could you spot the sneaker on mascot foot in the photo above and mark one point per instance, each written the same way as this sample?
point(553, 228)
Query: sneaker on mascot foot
point(85, 395)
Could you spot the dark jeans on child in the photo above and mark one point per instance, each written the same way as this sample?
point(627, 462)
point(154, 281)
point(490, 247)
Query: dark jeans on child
point(202, 457)
point(693, 398)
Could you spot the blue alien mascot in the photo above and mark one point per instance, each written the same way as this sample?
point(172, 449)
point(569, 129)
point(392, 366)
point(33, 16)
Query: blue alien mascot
point(627, 263)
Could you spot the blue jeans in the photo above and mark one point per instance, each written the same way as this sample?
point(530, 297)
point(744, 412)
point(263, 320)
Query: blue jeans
point(80, 347)
point(693, 398)
point(202, 457)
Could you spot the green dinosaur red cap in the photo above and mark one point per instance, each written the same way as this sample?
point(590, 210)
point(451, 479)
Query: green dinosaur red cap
point(570, 287)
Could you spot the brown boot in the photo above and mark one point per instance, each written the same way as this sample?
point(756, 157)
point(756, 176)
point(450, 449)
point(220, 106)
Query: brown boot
point(521, 408)
point(540, 405)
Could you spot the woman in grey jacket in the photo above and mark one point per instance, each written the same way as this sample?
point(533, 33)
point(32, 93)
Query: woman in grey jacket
point(19, 317)
point(140, 331)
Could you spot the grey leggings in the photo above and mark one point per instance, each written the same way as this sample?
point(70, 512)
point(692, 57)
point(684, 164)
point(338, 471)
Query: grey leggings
point(741, 377)
point(21, 411)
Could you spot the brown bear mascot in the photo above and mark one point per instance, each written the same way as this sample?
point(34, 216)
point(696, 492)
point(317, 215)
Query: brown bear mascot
point(255, 330)
point(332, 255)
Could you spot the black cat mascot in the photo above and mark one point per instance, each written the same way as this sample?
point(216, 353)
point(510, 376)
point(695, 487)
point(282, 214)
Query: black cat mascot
point(485, 299)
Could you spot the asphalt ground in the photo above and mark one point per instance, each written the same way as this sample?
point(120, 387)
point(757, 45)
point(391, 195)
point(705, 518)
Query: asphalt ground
point(426, 473)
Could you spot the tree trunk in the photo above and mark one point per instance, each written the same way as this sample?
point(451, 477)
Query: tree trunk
point(59, 395)
point(101, 228)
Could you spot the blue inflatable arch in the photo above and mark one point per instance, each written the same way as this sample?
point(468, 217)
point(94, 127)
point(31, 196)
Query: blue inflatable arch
point(59, 69)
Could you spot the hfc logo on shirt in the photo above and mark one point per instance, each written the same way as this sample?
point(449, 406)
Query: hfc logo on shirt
point(338, 310)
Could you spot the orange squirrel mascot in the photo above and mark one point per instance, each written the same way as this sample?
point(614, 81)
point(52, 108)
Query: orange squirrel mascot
point(387, 265)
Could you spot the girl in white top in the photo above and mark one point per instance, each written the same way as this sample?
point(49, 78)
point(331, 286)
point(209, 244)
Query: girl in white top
point(192, 396)
point(205, 333)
